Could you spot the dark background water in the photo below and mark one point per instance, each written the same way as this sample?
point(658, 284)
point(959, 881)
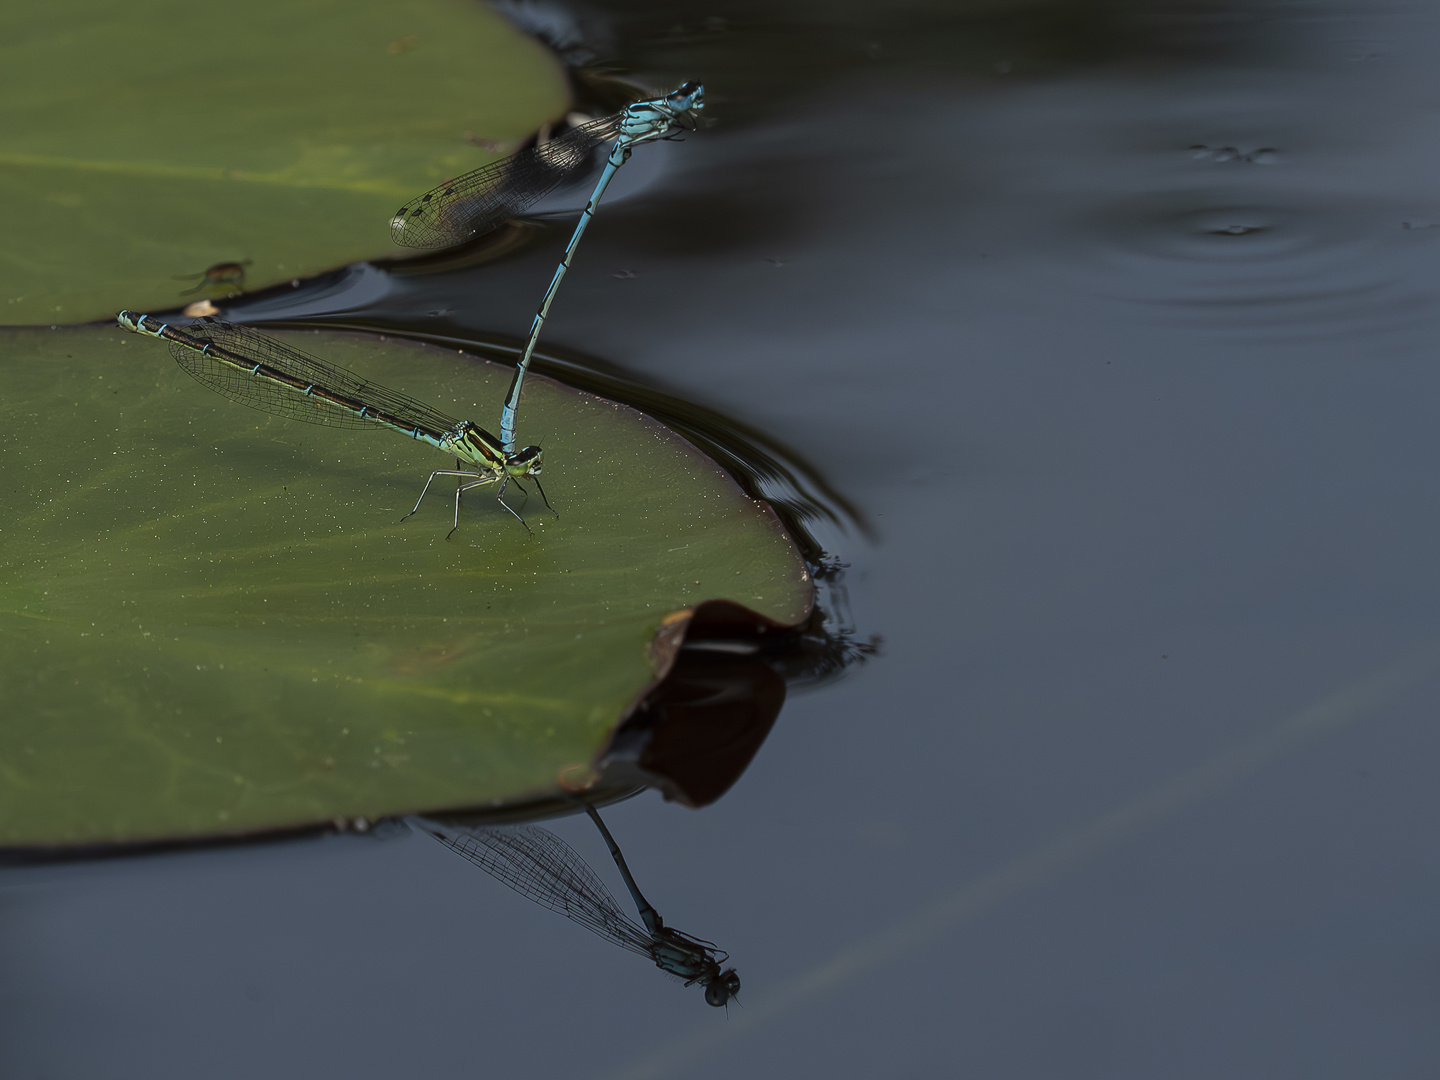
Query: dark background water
point(1146, 439)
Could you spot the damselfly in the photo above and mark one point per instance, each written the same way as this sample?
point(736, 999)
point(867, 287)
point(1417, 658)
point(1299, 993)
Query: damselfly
point(268, 375)
point(540, 866)
point(480, 200)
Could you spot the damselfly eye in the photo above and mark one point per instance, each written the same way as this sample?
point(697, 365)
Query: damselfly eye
point(721, 989)
point(528, 458)
point(689, 96)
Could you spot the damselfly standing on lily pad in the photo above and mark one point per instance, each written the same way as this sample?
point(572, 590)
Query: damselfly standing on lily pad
point(269, 375)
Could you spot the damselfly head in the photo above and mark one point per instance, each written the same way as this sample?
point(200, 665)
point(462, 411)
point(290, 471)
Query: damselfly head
point(525, 461)
point(719, 990)
point(689, 98)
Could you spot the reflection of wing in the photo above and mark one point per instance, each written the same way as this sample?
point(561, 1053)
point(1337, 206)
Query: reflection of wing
point(279, 398)
point(540, 866)
point(480, 200)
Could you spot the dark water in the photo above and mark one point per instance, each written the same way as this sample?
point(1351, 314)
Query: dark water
point(1116, 325)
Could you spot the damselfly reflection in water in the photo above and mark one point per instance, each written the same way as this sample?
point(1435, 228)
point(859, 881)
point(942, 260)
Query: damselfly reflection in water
point(477, 202)
point(269, 375)
point(540, 866)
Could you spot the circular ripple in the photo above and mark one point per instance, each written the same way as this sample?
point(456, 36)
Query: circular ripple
point(1288, 263)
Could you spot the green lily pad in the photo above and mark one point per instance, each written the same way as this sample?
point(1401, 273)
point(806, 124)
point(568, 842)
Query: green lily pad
point(146, 142)
point(213, 620)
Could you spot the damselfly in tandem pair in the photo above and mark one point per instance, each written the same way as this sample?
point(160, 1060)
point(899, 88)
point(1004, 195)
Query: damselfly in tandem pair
point(268, 375)
point(477, 202)
point(540, 866)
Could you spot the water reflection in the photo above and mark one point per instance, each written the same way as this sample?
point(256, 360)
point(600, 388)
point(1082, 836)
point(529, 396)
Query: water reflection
point(728, 672)
point(694, 735)
point(541, 867)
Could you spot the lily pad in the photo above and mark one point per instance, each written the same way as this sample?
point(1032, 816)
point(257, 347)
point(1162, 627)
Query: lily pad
point(213, 620)
point(147, 142)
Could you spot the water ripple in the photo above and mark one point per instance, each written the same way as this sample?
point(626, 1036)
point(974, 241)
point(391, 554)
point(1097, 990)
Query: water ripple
point(1291, 263)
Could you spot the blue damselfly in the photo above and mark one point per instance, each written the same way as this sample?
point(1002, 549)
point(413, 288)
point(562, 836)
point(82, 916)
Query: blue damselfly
point(477, 202)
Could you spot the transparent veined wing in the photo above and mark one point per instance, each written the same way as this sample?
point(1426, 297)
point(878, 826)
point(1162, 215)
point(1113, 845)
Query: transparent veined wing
point(480, 200)
point(234, 382)
point(541, 867)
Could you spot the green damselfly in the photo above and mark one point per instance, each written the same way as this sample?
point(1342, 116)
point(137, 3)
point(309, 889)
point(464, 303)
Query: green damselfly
point(268, 375)
point(477, 202)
